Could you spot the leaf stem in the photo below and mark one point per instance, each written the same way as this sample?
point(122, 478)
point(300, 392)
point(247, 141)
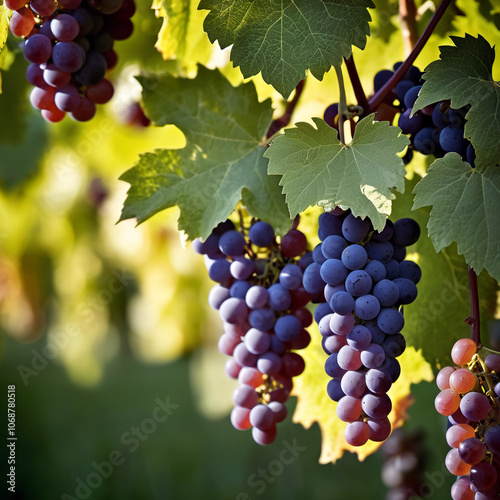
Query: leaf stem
point(284, 119)
point(356, 83)
point(473, 319)
point(342, 103)
point(379, 96)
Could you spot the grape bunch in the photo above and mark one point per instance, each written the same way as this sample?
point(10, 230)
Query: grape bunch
point(69, 45)
point(404, 455)
point(469, 397)
point(260, 298)
point(437, 129)
point(361, 281)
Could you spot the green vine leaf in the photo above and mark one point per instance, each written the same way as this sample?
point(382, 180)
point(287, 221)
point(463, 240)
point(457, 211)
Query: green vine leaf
point(465, 205)
point(181, 36)
point(222, 163)
point(463, 74)
point(283, 38)
point(318, 169)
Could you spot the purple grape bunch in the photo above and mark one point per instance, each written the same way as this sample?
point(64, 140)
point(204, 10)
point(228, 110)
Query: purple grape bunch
point(361, 280)
point(437, 129)
point(261, 301)
point(69, 45)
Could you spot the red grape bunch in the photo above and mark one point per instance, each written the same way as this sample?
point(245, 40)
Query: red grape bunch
point(469, 397)
point(261, 301)
point(69, 44)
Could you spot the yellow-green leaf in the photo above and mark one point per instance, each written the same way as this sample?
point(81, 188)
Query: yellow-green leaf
point(181, 36)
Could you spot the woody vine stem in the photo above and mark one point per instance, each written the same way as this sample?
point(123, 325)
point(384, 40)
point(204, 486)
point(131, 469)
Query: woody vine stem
point(473, 319)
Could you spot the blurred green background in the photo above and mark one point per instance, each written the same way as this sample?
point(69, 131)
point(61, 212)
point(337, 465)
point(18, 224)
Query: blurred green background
point(105, 327)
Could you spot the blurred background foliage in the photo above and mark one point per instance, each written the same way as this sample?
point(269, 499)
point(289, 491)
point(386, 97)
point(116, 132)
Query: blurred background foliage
point(101, 320)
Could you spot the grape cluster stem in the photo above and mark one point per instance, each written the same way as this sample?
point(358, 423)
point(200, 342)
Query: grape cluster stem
point(473, 319)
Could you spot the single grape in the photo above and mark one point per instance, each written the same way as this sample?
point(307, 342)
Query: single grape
point(382, 251)
point(373, 356)
point(386, 292)
point(353, 384)
point(287, 328)
point(334, 390)
point(483, 476)
point(472, 451)
point(245, 396)
point(349, 409)
point(291, 276)
point(342, 303)
point(447, 402)
point(443, 377)
point(462, 380)
point(101, 92)
point(265, 437)
point(376, 270)
point(240, 418)
point(357, 433)
point(348, 359)
point(376, 406)
point(458, 433)
point(359, 337)
point(354, 257)
point(342, 324)
point(378, 380)
point(380, 429)
point(406, 232)
point(358, 283)
point(64, 27)
point(333, 272)
point(390, 320)
point(261, 417)
point(22, 22)
point(475, 406)
point(455, 465)
point(37, 49)
point(293, 243)
point(411, 125)
point(411, 96)
point(462, 351)
point(261, 234)
point(354, 229)
point(367, 307)
point(279, 297)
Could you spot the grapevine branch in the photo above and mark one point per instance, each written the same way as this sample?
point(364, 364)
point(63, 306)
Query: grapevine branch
point(356, 83)
point(473, 319)
point(284, 120)
point(379, 96)
point(408, 17)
